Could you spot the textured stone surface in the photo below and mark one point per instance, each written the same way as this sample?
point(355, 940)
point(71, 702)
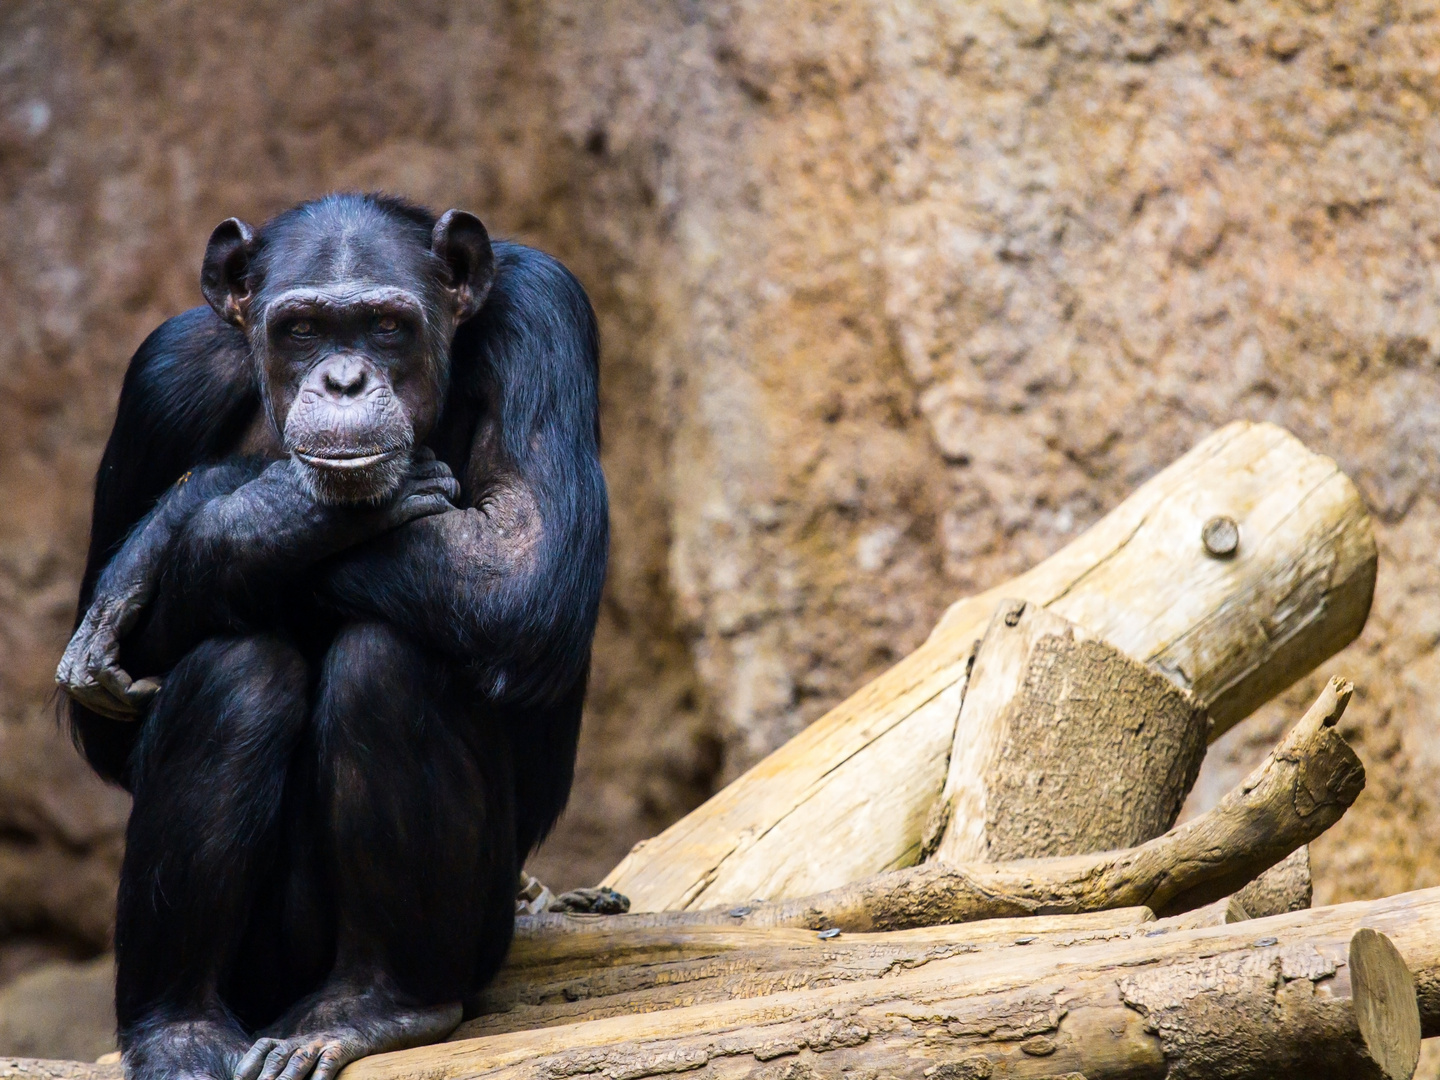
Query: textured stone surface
point(896, 298)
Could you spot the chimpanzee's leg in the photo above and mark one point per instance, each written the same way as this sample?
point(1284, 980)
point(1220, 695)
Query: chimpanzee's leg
point(208, 775)
point(416, 791)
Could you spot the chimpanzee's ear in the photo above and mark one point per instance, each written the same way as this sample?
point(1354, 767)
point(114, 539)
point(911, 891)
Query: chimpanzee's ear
point(463, 245)
point(222, 275)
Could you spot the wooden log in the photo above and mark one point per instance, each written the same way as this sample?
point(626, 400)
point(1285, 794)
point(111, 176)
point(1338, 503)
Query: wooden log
point(1064, 745)
point(848, 797)
point(1313, 994)
point(1300, 790)
point(1286, 886)
point(611, 970)
point(565, 968)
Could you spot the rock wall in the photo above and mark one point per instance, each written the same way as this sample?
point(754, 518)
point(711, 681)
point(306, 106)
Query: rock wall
point(896, 299)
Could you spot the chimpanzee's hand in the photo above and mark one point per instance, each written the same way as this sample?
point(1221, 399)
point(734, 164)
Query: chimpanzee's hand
point(90, 670)
point(429, 489)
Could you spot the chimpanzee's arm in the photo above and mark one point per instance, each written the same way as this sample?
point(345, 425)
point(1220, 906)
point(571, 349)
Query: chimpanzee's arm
point(90, 670)
point(509, 584)
point(234, 559)
point(215, 556)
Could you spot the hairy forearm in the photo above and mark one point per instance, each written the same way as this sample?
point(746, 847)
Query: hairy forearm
point(235, 561)
point(463, 583)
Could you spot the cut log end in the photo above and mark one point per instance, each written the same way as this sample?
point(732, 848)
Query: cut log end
point(1386, 1010)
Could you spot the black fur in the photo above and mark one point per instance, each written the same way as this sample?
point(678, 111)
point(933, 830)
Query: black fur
point(352, 753)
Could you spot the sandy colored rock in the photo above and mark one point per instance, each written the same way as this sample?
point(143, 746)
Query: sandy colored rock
point(60, 1010)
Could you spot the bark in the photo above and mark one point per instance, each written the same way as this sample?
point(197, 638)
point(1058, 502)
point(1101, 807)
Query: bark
point(849, 796)
point(1064, 745)
point(1296, 994)
point(1286, 886)
point(612, 970)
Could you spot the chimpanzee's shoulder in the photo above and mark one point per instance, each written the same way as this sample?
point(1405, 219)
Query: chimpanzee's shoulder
point(189, 364)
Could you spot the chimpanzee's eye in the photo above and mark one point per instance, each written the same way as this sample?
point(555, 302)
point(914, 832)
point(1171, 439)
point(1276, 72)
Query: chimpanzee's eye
point(301, 328)
point(387, 324)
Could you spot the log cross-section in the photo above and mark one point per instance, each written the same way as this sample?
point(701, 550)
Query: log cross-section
point(1064, 745)
point(848, 797)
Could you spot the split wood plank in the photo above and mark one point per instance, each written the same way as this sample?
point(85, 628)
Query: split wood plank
point(1064, 745)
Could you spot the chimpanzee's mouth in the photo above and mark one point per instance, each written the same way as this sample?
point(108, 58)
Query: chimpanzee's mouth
point(346, 460)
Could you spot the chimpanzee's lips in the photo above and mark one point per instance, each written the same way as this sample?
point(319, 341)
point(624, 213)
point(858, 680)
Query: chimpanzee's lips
point(346, 460)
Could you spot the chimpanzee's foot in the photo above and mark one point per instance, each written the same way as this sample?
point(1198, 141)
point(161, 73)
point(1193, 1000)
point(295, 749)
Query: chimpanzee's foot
point(196, 1048)
point(330, 1029)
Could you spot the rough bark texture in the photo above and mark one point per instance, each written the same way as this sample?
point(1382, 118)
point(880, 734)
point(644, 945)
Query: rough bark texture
point(613, 969)
point(1286, 886)
point(848, 796)
point(1266, 998)
point(1063, 745)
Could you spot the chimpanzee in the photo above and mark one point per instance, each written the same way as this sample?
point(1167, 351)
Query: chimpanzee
point(349, 537)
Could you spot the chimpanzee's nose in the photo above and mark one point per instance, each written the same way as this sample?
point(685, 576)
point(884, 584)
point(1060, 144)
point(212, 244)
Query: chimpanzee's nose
point(346, 377)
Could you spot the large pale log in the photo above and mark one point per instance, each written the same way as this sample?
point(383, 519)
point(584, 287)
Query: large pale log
point(1064, 745)
point(613, 969)
point(1305, 994)
point(848, 797)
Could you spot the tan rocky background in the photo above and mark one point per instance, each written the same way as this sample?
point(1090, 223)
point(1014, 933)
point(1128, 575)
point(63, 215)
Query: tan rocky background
point(896, 298)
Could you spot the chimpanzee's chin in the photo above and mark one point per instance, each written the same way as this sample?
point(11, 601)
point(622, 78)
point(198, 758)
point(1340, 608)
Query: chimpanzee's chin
point(340, 483)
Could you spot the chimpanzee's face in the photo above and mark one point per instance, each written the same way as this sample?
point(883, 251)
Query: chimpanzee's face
point(350, 324)
point(353, 371)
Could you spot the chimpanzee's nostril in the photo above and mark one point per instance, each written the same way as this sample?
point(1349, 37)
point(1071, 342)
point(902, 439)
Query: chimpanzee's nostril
point(346, 379)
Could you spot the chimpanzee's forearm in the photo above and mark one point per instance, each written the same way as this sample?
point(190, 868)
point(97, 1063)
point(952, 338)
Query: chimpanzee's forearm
point(232, 560)
point(90, 670)
point(134, 571)
point(486, 586)
point(236, 561)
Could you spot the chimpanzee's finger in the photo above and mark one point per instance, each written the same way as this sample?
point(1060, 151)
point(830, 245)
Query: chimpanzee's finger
point(414, 507)
point(302, 1061)
point(114, 679)
point(254, 1059)
point(99, 700)
point(276, 1060)
point(429, 470)
point(142, 690)
point(332, 1060)
point(445, 485)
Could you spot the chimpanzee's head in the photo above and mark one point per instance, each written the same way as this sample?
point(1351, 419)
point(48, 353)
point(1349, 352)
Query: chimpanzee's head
point(350, 303)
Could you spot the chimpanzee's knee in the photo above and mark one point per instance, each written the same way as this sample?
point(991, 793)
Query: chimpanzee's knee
point(231, 709)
